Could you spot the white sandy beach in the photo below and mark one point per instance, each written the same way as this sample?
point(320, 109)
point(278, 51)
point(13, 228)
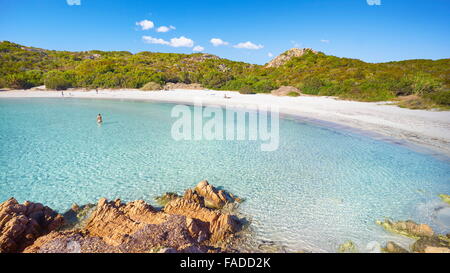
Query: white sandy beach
point(430, 129)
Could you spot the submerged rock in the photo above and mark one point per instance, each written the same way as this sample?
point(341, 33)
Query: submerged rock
point(22, 224)
point(445, 198)
point(166, 198)
point(407, 228)
point(348, 247)
point(77, 216)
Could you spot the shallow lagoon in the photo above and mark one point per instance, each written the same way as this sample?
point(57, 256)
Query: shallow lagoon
point(321, 188)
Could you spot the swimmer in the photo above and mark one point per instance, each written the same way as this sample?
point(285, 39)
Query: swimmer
point(99, 119)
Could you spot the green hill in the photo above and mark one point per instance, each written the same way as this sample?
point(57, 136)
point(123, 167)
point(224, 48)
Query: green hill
point(312, 72)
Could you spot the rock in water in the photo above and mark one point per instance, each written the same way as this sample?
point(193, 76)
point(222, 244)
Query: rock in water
point(22, 224)
point(166, 198)
point(214, 198)
point(348, 247)
point(445, 198)
point(407, 228)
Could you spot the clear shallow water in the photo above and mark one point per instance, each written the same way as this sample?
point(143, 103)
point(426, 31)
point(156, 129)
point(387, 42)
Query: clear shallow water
point(321, 188)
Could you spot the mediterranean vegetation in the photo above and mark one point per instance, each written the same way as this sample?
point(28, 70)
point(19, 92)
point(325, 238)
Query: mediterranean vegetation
point(415, 83)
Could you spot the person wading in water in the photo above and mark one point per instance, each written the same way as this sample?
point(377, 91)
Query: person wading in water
point(99, 119)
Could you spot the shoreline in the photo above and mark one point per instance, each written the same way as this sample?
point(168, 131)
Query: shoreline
point(421, 130)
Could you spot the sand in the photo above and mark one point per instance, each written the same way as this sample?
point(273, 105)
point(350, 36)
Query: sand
point(422, 128)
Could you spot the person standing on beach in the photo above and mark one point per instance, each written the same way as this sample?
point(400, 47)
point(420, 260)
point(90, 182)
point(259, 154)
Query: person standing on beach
point(62, 93)
point(96, 90)
point(99, 119)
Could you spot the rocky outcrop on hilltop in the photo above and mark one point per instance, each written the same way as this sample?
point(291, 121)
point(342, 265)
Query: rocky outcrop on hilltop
point(201, 57)
point(22, 224)
point(199, 221)
point(286, 56)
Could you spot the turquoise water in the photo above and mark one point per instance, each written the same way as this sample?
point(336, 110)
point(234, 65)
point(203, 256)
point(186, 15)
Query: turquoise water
point(322, 187)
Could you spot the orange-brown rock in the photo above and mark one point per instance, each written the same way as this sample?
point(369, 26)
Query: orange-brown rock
point(214, 198)
point(184, 225)
point(21, 224)
point(114, 221)
point(172, 234)
point(220, 225)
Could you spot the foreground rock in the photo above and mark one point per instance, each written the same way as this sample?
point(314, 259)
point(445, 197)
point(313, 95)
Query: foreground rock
point(392, 247)
point(185, 224)
point(206, 205)
point(427, 240)
point(22, 224)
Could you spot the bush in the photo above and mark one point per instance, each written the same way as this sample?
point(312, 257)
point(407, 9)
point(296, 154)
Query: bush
point(423, 84)
point(246, 91)
point(151, 86)
point(293, 94)
point(23, 80)
point(312, 85)
point(442, 97)
point(58, 80)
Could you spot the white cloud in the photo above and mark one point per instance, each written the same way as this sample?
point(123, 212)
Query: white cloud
point(165, 29)
point(174, 42)
point(325, 41)
point(181, 42)
point(151, 40)
point(248, 45)
point(198, 49)
point(73, 2)
point(270, 54)
point(218, 42)
point(145, 24)
point(374, 2)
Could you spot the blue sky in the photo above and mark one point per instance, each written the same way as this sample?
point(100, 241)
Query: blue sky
point(249, 30)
